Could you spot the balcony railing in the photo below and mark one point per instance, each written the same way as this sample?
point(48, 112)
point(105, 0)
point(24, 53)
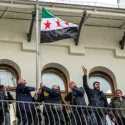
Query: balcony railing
point(27, 113)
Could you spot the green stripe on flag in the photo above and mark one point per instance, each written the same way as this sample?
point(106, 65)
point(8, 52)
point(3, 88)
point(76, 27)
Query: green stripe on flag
point(45, 13)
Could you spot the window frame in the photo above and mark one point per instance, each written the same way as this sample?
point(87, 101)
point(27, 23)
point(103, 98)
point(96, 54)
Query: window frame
point(60, 74)
point(10, 69)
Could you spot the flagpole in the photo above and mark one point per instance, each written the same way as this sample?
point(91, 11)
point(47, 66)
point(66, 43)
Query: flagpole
point(37, 45)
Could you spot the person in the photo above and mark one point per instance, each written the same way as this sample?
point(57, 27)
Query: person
point(52, 109)
point(118, 101)
point(25, 108)
point(97, 99)
point(4, 106)
point(76, 98)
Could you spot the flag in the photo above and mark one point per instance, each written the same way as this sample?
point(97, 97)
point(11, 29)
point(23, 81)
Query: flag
point(53, 28)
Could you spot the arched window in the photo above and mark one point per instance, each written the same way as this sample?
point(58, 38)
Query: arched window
point(8, 76)
point(55, 74)
point(9, 72)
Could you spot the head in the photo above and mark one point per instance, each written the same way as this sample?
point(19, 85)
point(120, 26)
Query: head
point(96, 85)
point(56, 87)
point(118, 93)
point(72, 84)
point(22, 82)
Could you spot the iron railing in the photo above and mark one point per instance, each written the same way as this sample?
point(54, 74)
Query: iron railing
point(27, 113)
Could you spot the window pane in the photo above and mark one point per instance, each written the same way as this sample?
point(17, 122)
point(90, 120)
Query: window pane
point(50, 79)
point(104, 84)
point(7, 78)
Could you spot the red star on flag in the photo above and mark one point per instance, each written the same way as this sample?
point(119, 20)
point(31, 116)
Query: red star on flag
point(58, 23)
point(47, 24)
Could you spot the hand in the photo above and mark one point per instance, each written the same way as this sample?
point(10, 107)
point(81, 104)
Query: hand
point(72, 84)
point(39, 91)
point(84, 70)
point(114, 120)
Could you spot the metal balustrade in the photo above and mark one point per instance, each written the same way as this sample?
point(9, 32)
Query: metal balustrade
point(27, 113)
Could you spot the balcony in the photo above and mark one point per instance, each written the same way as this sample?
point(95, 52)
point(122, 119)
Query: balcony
point(26, 113)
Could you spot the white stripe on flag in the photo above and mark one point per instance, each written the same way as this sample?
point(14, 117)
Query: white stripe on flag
point(53, 25)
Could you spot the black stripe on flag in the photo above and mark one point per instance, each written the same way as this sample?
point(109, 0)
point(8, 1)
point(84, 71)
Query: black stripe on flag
point(55, 35)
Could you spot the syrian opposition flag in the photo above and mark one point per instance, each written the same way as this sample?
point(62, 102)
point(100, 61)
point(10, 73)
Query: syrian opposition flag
point(54, 28)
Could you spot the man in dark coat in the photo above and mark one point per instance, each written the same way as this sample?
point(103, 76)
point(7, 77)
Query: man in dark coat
point(76, 98)
point(4, 106)
point(52, 109)
point(25, 107)
point(118, 101)
point(97, 99)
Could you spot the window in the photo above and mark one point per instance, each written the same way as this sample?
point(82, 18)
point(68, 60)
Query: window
point(52, 76)
point(8, 76)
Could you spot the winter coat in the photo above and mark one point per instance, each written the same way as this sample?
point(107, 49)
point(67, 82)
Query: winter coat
point(116, 102)
point(96, 97)
point(23, 94)
point(50, 96)
point(76, 97)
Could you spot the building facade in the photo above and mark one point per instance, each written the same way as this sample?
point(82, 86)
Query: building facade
point(98, 49)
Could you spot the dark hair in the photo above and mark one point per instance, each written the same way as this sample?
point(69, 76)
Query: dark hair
point(95, 83)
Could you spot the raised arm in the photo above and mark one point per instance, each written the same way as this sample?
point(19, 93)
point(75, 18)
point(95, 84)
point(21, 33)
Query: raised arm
point(39, 96)
point(85, 82)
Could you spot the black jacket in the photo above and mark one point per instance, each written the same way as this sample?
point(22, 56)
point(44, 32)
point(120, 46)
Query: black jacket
point(96, 98)
point(49, 96)
point(118, 102)
point(23, 95)
point(76, 97)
